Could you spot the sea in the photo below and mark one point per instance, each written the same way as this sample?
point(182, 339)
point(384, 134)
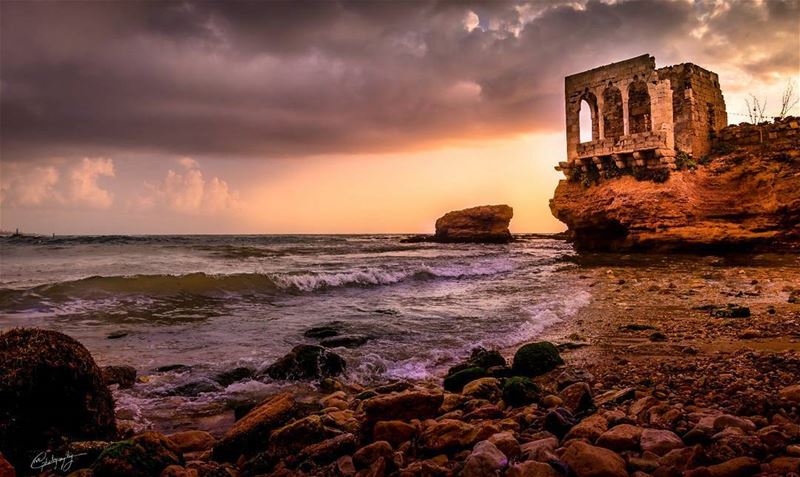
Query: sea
point(184, 310)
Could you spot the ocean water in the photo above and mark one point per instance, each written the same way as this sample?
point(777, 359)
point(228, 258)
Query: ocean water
point(215, 303)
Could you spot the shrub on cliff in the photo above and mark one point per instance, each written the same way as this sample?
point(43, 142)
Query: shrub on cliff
point(535, 359)
point(51, 390)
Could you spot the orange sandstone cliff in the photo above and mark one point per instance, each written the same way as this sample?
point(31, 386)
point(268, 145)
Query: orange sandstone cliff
point(746, 195)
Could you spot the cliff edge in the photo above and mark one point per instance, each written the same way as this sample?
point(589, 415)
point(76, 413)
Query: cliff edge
point(746, 194)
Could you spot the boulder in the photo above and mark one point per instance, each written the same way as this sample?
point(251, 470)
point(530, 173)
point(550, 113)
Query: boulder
point(520, 391)
point(483, 388)
point(368, 454)
point(296, 435)
point(192, 441)
point(307, 362)
point(240, 373)
point(51, 390)
point(403, 406)
point(534, 359)
point(251, 432)
point(586, 460)
point(484, 461)
point(124, 376)
point(329, 450)
point(483, 224)
point(456, 381)
point(659, 441)
point(146, 455)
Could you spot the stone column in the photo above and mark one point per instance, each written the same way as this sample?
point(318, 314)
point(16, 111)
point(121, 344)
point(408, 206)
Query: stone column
point(623, 89)
point(601, 129)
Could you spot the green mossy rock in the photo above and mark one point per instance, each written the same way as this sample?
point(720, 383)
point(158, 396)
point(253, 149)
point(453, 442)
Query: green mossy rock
point(534, 359)
point(480, 358)
point(146, 455)
point(455, 382)
point(519, 391)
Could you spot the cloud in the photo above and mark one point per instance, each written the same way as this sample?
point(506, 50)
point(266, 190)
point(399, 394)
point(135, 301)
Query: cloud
point(188, 192)
point(84, 189)
point(26, 187)
point(267, 79)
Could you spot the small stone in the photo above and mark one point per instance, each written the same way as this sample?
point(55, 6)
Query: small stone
point(394, 432)
point(727, 420)
point(790, 393)
point(541, 450)
point(368, 454)
point(737, 467)
point(551, 401)
point(532, 469)
point(507, 443)
point(192, 441)
point(577, 398)
point(403, 406)
point(590, 428)
point(559, 421)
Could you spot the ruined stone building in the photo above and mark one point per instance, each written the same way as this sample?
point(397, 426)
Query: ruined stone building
point(642, 116)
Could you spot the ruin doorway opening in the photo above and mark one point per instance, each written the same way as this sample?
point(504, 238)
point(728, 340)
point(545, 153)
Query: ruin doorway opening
point(639, 120)
point(613, 125)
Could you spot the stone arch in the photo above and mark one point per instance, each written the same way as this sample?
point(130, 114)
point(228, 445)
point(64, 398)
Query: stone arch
point(613, 122)
point(589, 101)
point(639, 115)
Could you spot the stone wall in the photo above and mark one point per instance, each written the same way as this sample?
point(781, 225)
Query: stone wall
point(781, 130)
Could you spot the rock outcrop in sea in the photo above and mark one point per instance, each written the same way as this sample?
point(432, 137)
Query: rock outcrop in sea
point(745, 194)
point(481, 224)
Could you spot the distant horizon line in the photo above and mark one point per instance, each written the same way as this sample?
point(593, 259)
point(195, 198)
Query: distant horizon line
point(36, 234)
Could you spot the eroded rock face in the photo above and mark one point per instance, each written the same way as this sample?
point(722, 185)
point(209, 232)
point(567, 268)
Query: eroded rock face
point(51, 391)
point(487, 223)
point(743, 199)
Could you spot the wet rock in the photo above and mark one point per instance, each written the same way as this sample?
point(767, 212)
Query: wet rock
point(455, 382)
point(559, 421)
point(586, 460)
point(253, 430)
point(621, 438)
point(520, 391)
point(50, 390)
point(192, 441)
point(115, 335)
point(480, 358)
point(124, 376)
point(659, 441)
point(368, 454)
point(531, 469)
point(534, 359)
point(403, 406)
point(487, 224)
point(145, 455)
point(344, 341)
point(307, 362)
point(172, 367)
point(324, 331)
point(484, 461)
point(577, 398)
point(730, 310)
point(329, 450)
point(590, 428)
point(194, 388)
point(235, 375)
point(394, 432)
point(449, 435)
point(296, 435)
point(483, 388)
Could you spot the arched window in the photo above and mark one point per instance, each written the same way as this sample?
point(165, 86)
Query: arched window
point(588, 118)
point(638, 107)
point(613, 126)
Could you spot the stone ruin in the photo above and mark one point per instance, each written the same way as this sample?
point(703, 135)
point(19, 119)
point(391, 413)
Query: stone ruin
point(641, 116)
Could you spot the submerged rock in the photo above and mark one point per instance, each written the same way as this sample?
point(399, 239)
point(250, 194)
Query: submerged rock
point(344, 341)
point(534, 359)
point(50, 390)
point(307, 362)
point(488, 223)
point(125, 376)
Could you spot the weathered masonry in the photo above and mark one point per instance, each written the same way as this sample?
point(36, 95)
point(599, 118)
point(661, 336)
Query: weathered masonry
point(642, 116)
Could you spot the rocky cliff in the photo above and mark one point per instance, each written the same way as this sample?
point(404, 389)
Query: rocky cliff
point(743, 196)
point(486, 223)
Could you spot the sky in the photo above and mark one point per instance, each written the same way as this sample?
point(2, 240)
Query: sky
point(126, 117)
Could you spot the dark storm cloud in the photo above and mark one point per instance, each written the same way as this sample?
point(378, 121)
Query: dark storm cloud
point(269, 78)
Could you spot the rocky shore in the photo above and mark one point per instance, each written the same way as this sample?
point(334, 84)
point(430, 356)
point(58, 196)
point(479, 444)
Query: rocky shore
point(670, 371)
point(482, 224)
